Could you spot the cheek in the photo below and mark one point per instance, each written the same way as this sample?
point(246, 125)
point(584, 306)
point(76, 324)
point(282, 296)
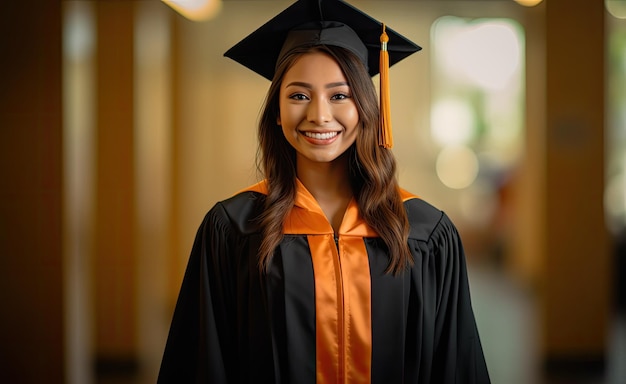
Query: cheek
point(285, 121)
point(290, 117)
point(289, 133)
point(285, 131)
point(351, 120)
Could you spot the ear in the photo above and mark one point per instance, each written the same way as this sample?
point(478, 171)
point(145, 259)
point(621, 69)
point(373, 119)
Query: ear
point(278, 120)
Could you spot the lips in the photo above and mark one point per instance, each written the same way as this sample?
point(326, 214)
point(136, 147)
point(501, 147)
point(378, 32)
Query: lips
point(321, 135)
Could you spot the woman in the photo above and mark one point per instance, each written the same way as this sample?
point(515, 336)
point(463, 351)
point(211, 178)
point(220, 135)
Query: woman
point(326, 271)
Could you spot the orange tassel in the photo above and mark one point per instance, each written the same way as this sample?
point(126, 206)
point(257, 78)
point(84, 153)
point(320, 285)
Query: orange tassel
point(385, 138)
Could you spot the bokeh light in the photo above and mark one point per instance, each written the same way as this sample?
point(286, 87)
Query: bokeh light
point(478, 96)
point(617, 8)
point(528, 3)
point(196, 10)
point(452, 122)
point(486, 54)
point(457, 166)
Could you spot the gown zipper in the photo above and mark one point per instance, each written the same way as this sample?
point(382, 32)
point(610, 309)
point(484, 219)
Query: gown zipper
point(341, 314)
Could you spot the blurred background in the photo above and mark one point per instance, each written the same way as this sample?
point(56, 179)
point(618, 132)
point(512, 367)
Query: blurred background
point(121, 124)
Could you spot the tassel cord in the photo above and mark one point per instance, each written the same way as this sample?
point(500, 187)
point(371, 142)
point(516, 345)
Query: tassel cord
point(385, 137)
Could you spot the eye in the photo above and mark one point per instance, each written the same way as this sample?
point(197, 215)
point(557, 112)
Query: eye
point(340, 96)
point(298, 96)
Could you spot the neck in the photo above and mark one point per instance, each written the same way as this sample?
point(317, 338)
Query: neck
point(325, 181)
point(329, 183)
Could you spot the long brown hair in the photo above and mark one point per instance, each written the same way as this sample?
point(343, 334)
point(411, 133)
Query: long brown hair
point(372, 168)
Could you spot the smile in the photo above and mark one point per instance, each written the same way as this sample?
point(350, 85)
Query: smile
point(321, 136)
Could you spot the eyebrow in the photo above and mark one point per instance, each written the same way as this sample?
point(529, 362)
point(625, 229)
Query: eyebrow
point(309, 86)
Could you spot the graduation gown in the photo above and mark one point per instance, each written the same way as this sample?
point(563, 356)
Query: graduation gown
point(325, 311)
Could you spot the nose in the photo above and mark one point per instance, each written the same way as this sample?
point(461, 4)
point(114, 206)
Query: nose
point(319, 111)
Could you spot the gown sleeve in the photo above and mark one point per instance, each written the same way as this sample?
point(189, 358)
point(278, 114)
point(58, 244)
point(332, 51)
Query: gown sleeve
point(200, 345)
point(458, 355)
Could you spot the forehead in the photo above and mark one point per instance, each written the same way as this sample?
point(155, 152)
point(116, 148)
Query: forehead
point(315, 65)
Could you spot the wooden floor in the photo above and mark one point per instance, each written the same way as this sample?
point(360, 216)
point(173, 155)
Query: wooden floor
point(506, 319)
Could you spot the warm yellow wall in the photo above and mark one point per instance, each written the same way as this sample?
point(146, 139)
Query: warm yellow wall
point(31, 194)
point(114, 257)
point(576, 278)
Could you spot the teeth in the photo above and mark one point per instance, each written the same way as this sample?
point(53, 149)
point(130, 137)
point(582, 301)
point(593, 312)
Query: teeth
point(321, 136)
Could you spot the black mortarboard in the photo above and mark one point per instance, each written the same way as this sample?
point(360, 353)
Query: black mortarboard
point(327, 22)
point(319, 22)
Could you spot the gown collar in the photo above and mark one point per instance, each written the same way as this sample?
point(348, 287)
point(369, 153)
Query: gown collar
point(307, 217)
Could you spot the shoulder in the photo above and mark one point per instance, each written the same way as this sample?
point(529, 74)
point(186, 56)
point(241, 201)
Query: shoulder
point(425, 220)
point(238, 212)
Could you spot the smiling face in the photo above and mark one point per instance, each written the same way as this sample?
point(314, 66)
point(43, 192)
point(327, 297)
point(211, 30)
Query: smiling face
point(318, 115)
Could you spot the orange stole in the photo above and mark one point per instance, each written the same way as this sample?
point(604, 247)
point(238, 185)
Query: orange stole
point(342, 287)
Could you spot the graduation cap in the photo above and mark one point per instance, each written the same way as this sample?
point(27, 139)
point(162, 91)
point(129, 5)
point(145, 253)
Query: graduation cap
point(327, 22)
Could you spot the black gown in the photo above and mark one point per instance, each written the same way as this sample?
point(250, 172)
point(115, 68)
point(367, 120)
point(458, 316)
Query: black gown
point(326, 311)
